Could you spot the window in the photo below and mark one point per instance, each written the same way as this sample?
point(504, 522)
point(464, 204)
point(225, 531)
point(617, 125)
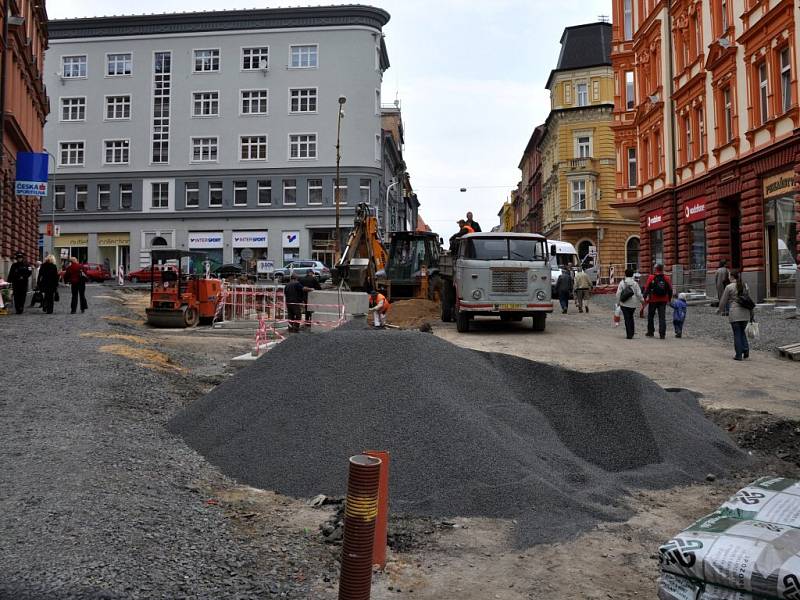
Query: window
point(264, 192)
point(697, 247)
point(687, 137)
point(630, 91)
point(240, 193)
point(205, 104)
point(583, 94)
point(255, 102)
point(658, 165)
point(302, 145)
point(378, 148)
point(71, 154)
point(254, 59)
point(81, 195)
point(103, 196)
point(118, 107)
point(698, 33)
point(73, 66)
point(645, 160)
point(253, 147)
point(786, 80)
point(162, 85)
point(584, 147)
point(192, 194)
point(701, 130)
point(159, 195)
point(763, 90)
point(727, 104)
point(628, 19)
point(118, 65)
point(724, 15)
point(377, 102)
point(60, 193)
point(315, 191)
point(340, 191)
point(290, 191)
point(632, 172)
point(125, 195)
point(73, 109)
point(578, 194)
point(303, 57)
point(657, 246)
point(204, 149)
point(116, 152)
point(364, 191)
point(303, 100)
point(206, 61)
point(215, 193)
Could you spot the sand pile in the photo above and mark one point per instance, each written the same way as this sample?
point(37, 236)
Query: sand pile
point(410, 314)
point(470, 434)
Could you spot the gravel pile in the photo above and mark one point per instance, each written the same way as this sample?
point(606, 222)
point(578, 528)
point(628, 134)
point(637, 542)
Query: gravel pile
point(471, 434)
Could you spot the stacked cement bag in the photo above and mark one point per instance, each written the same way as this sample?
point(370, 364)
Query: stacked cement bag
point(749, 549)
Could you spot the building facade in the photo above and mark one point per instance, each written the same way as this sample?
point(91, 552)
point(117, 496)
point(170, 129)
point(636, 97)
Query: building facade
point(23, 110)
point(213, 131)
point(578, 163)
point(399, 205)
point(706, 124)
point(531, 184)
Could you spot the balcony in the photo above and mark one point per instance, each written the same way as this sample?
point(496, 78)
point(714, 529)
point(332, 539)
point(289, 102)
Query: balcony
point(586, 165)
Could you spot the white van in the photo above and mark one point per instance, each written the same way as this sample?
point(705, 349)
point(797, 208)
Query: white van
point(562, 254)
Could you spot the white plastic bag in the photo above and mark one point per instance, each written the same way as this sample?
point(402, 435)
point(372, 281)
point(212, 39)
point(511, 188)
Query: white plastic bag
point(752, 330)
point(617, 315)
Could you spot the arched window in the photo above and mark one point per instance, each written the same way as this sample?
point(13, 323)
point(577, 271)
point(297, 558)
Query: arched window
point(159, 241)
point(587, 262)
point(632, 253)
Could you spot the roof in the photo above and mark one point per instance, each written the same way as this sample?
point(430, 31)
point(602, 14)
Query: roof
point(505, 234)
point(222, 20)
point(583, 46)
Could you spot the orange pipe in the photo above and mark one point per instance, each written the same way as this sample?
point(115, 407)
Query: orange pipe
point(382, 523)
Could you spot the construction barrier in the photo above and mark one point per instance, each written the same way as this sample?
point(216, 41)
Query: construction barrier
point(250, 302)
point(271, 323)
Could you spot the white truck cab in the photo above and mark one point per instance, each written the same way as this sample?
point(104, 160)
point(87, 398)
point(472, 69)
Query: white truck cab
point(562, 254)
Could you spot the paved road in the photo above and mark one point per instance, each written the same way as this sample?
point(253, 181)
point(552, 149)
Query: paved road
point(97, 500)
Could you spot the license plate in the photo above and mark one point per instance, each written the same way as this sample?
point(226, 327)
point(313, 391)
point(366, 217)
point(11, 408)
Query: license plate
point(510, 306)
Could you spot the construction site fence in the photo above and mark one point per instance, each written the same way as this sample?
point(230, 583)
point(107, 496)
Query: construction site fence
point(271, 329)
point(250, 302)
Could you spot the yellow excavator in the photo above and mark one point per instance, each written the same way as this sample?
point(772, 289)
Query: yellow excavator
point(364, 255)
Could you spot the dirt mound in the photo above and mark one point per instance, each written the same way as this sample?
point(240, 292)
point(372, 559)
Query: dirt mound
point(410, 314)
point(470, 434)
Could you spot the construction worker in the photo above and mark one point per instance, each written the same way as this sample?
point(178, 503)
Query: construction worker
point(309, 282)
point(294, 294)
point(473, 223)
point(378, 306)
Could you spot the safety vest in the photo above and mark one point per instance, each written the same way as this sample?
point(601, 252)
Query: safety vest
point(469, 229)
point(378, 299)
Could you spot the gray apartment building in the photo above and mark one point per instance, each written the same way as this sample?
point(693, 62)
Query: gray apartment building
point(212, 131)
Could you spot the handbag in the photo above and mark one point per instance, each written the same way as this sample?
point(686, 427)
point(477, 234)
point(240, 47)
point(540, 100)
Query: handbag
point(626, 293)
point(752, 331)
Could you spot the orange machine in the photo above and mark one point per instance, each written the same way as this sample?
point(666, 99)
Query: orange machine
point(364, 256)
point(181, 298)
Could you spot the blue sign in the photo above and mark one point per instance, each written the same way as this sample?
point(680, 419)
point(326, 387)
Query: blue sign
point(31, 174)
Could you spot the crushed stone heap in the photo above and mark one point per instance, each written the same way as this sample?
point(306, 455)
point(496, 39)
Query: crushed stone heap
point(470, 433)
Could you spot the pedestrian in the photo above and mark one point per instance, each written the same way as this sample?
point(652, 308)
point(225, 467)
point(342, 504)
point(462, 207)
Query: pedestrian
point(76, 278)
point(294, 294)
point(721, 281)
point(48, 283)
point(629, 298)
point(679, 308)
point(564, 288)
point(34, 278)
point(309, 282)
point(18, 276)
point(473, 223)
point(658, 291)
point(378, 306)
point(582, 290)
point(740, 312)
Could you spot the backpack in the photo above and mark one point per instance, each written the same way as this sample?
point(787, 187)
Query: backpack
point(626, 293)
point(745, 301)
point(659, 286)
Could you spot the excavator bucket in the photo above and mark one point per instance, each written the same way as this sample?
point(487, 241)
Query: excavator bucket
point(183, 317)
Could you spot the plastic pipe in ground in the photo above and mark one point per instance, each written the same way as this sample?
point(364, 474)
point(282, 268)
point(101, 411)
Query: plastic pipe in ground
point(382, 522)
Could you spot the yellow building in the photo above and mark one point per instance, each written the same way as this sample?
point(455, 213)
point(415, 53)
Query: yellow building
point(506, 215)
point(578, 153)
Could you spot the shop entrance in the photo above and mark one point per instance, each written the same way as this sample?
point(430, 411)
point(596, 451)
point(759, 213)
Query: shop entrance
point(323, 246)
point(781, 238)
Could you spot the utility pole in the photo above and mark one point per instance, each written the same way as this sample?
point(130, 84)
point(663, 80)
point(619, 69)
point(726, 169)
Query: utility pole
point(337, 246)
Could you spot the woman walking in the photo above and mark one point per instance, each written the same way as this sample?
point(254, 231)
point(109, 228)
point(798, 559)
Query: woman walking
point(740, 312)
point(629, 298)
point(47, 282)
point(75, 276)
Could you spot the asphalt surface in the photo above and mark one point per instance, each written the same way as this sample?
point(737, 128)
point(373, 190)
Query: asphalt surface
point(97, 499)
point(470, 434)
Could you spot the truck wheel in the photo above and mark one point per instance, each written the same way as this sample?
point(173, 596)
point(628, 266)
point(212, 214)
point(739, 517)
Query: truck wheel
point(539, 321)
point(462, 322)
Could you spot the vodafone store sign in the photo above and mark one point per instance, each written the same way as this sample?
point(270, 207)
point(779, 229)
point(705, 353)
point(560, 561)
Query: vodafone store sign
point(655, 220)
point(694, 210)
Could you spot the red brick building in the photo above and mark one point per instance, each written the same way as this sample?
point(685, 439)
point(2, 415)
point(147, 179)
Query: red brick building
point(708, 143)
point(23, 24)
point(531, 184)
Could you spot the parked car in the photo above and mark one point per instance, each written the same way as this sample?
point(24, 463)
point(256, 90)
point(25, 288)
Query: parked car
point(94, 271)
point(300, 267)
point(231, 270)
point(143, 274)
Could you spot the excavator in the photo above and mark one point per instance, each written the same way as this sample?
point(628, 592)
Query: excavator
point(364, 255)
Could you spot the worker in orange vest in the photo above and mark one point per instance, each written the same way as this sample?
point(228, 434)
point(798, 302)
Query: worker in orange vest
point(378, 306)
point(465, 228)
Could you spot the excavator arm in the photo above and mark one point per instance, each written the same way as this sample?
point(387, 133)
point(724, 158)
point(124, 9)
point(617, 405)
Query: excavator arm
point(364, 254)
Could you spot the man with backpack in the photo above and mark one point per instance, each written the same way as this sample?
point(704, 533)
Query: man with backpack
point(658, 291)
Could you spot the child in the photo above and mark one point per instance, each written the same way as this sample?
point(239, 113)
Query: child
point(679, 307)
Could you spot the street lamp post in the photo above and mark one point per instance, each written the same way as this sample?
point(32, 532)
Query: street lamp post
point(53, 208)
point(337, 246)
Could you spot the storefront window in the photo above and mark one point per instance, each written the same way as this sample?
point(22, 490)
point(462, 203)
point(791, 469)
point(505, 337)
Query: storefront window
point(697, 252)
point(657, 247)
point(782, 239)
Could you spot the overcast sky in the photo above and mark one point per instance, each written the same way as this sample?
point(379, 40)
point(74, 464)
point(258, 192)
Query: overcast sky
point(470, 75)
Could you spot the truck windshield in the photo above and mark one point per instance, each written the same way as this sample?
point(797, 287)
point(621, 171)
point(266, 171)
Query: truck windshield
point(505, 249)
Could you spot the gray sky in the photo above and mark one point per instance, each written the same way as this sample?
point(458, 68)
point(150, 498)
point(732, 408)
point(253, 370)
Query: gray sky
point(470, 75)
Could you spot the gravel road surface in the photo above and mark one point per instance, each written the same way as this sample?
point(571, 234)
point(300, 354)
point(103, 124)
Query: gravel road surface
point(97, 500)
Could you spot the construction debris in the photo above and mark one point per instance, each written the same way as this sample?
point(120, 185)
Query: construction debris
point(470, 433)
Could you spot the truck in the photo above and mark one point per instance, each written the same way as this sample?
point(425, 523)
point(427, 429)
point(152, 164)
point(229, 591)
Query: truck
point(499, 274)
point(563, 254)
